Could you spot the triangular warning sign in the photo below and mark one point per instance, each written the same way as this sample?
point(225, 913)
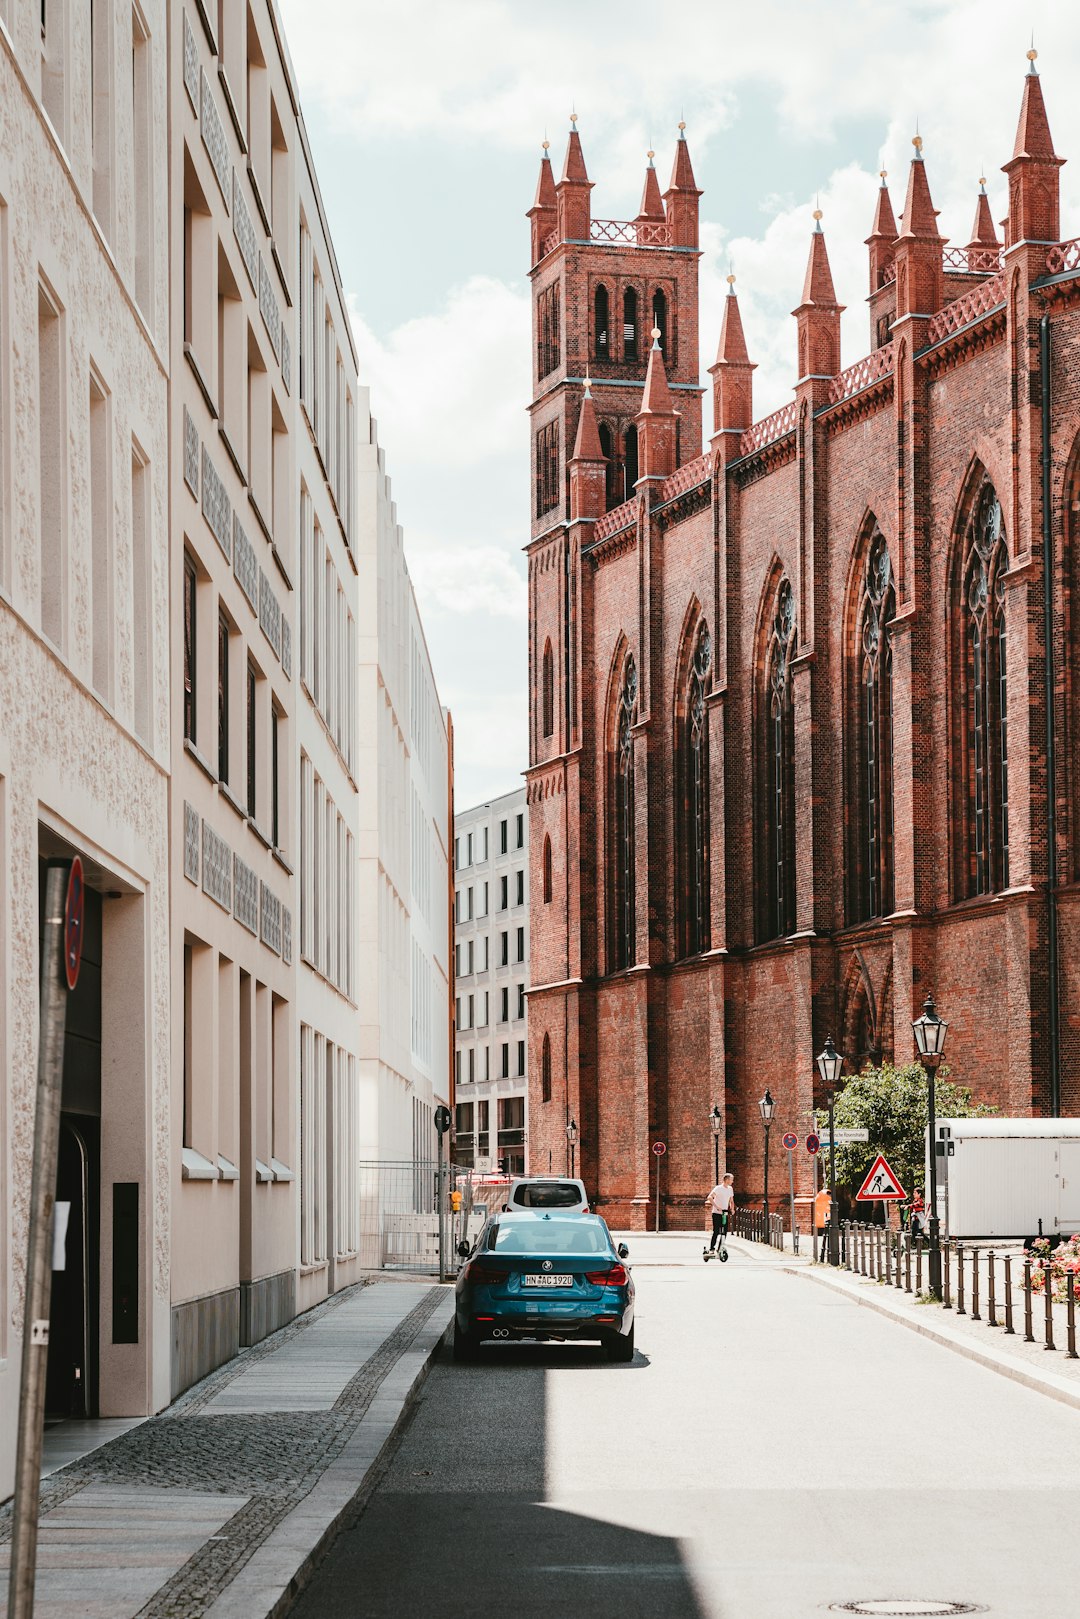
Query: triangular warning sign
point(882, 1184)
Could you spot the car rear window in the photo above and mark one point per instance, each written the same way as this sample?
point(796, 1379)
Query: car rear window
point(551, 1237)
point(564, 1195)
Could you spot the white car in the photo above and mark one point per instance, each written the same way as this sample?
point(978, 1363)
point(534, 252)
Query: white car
point(547, 1192)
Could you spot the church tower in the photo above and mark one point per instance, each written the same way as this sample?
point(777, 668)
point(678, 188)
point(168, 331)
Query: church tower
point(600, 286)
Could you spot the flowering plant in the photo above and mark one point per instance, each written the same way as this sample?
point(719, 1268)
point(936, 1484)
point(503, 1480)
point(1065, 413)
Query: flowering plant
point(1056, 1263)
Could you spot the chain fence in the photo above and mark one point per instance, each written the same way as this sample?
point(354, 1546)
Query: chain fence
point(405, 1205)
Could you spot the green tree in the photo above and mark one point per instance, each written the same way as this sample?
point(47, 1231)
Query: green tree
point(892, 1104)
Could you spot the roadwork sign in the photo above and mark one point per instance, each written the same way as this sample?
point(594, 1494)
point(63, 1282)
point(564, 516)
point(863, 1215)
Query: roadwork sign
point(882, 1184)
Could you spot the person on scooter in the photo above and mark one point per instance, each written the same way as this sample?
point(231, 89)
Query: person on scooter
point(720, 1202)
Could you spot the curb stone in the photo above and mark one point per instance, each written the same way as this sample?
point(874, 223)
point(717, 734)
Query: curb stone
point(1049, 1383)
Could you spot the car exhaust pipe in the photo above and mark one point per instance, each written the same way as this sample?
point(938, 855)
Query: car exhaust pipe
point(500, 1332)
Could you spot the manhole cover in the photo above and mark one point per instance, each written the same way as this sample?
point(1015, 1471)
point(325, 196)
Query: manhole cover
point(906, 1605)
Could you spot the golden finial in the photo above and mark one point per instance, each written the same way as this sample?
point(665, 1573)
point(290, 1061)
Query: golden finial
point(588, 384)
point(916, 141)
point(655, 334)
point(682, 125)
point(883, 175)
point(982, 181)
point(573, 119)
point(731, 279)
point(650, 156)
point(546, 145)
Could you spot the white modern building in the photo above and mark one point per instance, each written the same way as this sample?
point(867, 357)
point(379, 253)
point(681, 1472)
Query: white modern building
point(84, 679)
point(406, 810)
point(491, 973)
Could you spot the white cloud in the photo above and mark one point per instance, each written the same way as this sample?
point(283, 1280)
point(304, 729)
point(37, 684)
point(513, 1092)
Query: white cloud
point(471, 579)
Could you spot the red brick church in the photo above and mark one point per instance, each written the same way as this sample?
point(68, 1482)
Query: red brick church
point(798, 753)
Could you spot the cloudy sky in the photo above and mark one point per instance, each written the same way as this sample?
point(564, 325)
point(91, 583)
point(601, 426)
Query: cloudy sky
point(426, 117)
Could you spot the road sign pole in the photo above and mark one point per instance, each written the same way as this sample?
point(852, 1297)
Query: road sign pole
point(834, 1226)
point(791, 1189)
point(35, 1344)
point(658, 1157)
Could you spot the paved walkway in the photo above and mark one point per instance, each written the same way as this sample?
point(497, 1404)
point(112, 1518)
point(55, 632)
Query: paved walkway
point(217, 1506)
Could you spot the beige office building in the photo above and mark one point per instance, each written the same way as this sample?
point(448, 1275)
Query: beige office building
point(84, 679)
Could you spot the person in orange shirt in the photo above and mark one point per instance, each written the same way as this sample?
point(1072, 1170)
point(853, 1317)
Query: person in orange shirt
point(822, 1211)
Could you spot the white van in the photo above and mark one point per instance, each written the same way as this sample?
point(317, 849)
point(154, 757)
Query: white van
point(548, 1192)
point(1008, 1178)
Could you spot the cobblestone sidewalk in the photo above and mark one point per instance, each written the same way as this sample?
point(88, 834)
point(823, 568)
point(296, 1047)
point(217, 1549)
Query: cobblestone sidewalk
point(216, 1506)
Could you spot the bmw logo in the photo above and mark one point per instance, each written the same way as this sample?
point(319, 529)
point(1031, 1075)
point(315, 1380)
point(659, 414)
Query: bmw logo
point(546, 1265)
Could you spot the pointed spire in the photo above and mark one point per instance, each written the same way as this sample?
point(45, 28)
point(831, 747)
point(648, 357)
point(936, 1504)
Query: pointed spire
point(574, 164)
point(884, 225)
point(651, 205)
point(818, 286)
point(657, 400)
point(983, 233)
point(1033, 131)
point(545, 184)
point(732, 349)
point(681, 196)
point(682, 172)
point(587, 445)
point(919, 219)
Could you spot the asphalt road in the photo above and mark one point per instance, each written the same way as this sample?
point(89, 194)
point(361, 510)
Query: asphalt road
point(773, 1450)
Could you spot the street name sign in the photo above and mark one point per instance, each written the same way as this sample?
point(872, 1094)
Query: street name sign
point(791, 1141)
point(882, 1184)
point(846, 1137)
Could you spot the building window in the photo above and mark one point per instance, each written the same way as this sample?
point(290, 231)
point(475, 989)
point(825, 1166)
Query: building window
point(545, 1070)
point(252, 742)
point(611, 495)
point(275, 779)
point(142, 605)
point(521, 1000)
point(778, 743)
point(142, 158)
point(502, 837)
point(872, 688)
point(630, 462)
point(52, 464)
point(504, 1060)
point(520, 942)
point(504, 1004)
point(621, 854)
point(191, 649)
point(547, 320)
point(630, 325)
point(520, 1058)
point(547, 468)
point(504, 949)
point(547, 870)
point(659, 317)
point(694, 799)
point(504, 892)
point(984, 670)
point(548, 700)
point(519, 887)
point(520, 844)
point(223, 698)
point(601, 323)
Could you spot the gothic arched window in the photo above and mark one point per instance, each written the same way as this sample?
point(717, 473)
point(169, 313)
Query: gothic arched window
point(601, 320)
point(778, 911)
point(547, 871)
point(630, 469)
point(872, 889)
point(630, 324)
point(694, 800)
point(622, 907)
point(548, 691)
point(984, 670)
point(659, 318)
point(545, 1070)
point(611, 498)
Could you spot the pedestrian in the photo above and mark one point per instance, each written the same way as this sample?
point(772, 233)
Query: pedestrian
point(720, 1202)
point(917, 1213)
point(822, 1212)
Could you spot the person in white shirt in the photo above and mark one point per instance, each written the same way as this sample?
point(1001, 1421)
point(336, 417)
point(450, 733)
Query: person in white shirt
point(720, 1202)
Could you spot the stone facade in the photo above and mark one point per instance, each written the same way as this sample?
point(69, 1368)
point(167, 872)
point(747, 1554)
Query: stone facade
point(789, 740)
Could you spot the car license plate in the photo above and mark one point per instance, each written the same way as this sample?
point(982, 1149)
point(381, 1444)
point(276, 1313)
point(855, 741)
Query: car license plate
point(549, 1281)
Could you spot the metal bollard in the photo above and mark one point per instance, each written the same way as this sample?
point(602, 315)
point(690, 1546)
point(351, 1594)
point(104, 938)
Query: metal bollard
point(918, 1264)
point(849, 1247)
point(1008, 1294)
point(960, 1279)
point(1070, 1316)
point(888, 1258)
point(975, 1316)
point(991, 1302)
point(899, 1257)
point(1048, 1289)
point(907, 1265)
point(946, 1294)
point(1029, 1336)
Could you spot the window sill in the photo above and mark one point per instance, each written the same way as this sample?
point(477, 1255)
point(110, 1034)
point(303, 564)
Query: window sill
point(279, 559)
point(208, 26)
point(259, 518)
point(257, 193)
point(279, 856)
point(282, 277)
point(193, 753)
point(194, 1167)
point(263, 1172)
point(259, 833)
point(227, 1170)
point(281, 1171)
point(234, 113)
point(234, 803)
point(204, 387)
point(231, 452)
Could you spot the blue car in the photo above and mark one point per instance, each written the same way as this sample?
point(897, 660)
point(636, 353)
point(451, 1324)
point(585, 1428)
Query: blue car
point(547, 1276)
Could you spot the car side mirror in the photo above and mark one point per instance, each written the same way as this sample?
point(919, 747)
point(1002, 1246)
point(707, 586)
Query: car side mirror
point(623, 1251)
point(464, 1250)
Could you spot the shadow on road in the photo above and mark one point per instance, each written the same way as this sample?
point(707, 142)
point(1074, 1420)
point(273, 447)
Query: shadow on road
point(458, 1525)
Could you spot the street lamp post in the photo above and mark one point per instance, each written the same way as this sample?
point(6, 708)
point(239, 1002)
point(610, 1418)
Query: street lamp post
point(930, 1031)
point(571, 1139)
point(830, 1064)
point(767, 1107)
point(716, 1122)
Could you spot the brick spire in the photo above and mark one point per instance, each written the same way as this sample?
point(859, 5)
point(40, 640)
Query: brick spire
point(1034, 183)
point(572, 191)
point(733, 372)
point(543, 214)
point(920, 273)
point(882, 237)
point(652, 208)
point(588, 464)
point(657, 418)
point(818, 315)
point(681, 196)
point(983, 235)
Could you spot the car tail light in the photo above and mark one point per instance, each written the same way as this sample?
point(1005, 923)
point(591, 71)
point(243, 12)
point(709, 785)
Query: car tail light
point(484, 1276)
point(614, 1277)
